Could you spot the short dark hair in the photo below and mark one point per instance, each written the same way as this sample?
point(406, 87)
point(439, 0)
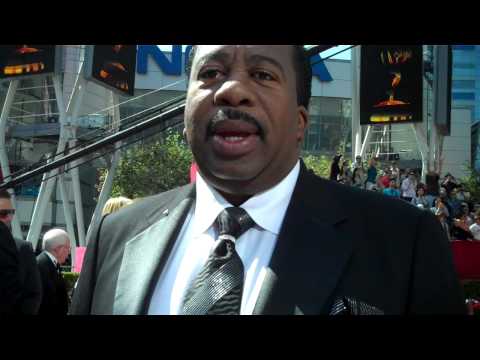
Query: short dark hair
point(303, 69)
point(4, 194)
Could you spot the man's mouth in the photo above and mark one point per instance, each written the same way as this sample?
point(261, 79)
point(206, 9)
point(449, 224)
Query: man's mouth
point(234, 138)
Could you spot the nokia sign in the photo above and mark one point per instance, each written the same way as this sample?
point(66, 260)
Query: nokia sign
point(175, 64)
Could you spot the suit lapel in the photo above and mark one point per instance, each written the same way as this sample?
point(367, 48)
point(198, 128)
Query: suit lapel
point(311, 253)
point(145, 255)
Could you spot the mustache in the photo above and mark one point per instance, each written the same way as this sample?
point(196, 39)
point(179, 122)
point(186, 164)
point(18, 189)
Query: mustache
point(233, 114)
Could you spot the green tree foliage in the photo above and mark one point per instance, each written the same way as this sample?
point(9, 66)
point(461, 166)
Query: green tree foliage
point(152, 168)
point(472, 183)
point(320, 164)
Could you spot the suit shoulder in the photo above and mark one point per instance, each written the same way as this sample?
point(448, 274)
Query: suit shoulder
point(42, 259)
point(23, 246)
point(144, 205)
point(131, 220)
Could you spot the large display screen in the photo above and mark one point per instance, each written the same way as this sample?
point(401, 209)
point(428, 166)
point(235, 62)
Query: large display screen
point(391, 84)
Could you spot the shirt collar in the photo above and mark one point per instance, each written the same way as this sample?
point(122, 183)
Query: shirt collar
point(54, 260)
point(267, 209)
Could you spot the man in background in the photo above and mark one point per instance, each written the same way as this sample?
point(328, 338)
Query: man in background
point(28, 273)
point(56, 248)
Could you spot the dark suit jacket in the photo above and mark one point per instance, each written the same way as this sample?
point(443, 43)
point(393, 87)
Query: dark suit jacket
point(10, 285)
point(335, 243)
point(55, 297)
point(30, 278)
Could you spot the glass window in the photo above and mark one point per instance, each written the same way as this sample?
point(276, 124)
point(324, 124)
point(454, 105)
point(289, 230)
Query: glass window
point(464, 65)
point(329, 130)
point(463, 96)
point(463, 84)
point(464, 47)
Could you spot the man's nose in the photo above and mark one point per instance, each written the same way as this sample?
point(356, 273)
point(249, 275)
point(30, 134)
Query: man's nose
point(234, 92)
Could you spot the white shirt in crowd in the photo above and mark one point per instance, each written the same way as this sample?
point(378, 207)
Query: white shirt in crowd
point(475, 230)
point(197, 237)
point(409, 188)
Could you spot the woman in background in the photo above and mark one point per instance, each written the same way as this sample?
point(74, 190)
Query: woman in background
point(335, 168)
point(115, 204)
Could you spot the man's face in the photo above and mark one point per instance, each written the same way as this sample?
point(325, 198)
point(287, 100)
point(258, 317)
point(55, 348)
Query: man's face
point(242, 119)
point(62, 252)
point(6, 212)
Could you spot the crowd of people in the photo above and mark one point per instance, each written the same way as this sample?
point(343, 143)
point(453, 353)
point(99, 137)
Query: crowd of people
point(447, 198)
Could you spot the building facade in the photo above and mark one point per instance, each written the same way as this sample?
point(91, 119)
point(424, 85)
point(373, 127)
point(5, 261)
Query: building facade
point(466, 89)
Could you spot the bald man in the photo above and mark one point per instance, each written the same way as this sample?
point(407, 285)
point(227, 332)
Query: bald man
point(56, 248)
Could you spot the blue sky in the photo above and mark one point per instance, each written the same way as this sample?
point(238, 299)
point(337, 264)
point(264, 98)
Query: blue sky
point(346, 55)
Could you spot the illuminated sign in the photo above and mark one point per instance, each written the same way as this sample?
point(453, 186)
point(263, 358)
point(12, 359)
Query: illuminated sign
point(25, 60)
point(112, 66)
point(175, 65)
point(391, 85)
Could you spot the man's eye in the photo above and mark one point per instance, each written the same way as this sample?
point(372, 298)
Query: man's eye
point(263, 75)
point(209, 74)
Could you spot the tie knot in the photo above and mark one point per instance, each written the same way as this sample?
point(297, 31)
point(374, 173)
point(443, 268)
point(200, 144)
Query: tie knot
point(234, 221)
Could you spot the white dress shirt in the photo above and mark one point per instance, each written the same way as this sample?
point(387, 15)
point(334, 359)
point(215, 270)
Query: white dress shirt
point(197, 238)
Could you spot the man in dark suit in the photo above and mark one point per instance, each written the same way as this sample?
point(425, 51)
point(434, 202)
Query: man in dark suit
point(13, 292)
point(258, 233)
point(56, 248)
point(30, 278)
point(27, 264)
point(10, 285)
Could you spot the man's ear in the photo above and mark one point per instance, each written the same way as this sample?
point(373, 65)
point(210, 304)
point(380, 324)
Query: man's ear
point(302, 123)
point(185, 135)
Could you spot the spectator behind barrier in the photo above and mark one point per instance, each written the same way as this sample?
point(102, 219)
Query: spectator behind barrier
point(114, 204)
point(475, 227)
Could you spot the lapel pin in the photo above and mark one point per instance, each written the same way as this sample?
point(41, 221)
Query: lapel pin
point(165, 212)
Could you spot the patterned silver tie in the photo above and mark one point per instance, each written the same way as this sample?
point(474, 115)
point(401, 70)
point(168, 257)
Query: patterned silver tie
point(218, 288)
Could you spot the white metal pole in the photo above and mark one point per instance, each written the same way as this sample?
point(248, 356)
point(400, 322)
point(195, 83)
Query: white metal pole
point(104, 195)
point(47, 187)
point(68, 215)
point(107, 185)
point(5, 166)
point(368, 136)
point(77, 194)
point(74, 109)
point(423, 147)
point(356, 127)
